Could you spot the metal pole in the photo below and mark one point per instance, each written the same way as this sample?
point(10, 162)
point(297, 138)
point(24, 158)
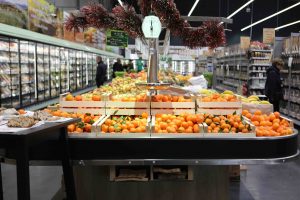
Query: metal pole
point(153, 62)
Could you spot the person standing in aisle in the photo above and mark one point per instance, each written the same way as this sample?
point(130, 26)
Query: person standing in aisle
point(130, 66)
point(273, 87)
point(139, 64)
point(101, 74)
point(117, 67)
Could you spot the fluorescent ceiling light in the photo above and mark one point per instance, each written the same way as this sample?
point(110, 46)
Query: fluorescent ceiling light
point(193, 8)
point(238, 10)
point(275, 14)
point(286, 25)
point(120, 2)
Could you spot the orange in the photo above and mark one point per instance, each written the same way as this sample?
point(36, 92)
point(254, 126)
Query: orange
point(208, 121)
point(200, 119)
point(156, 129)
point(216, 119)
point(111, 129)
point(249, 115)
point(189, 130)
point(236, 125)
point(181, 130)
point(226, 130)
point(71, 128)
point(233, 130)
point(257, 112)
point(144, 115)
point(88, 128)
point(276, 121)
point(277, 114)
point(138, 130)
point(255, 123)
point(241, 127)
point(69, 97)
point(108, 122)
point(96, 98)
point(245, 130)
point(171, 130)
point(163, 125)
point(164, 117)
point(190, 123)
point(213, 125)
point(21, 111)
point(185, 125)
point(124, 126)
point(78, 98)
point(196, 128)
point(135, 123)
point(132, 130)
point(272, 117)
point(245, 112)
point(87, 119)
point(79, 130)
point(125, 131)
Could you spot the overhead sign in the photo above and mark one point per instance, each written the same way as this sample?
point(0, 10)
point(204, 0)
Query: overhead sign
point(245, 42)
point(268, 35)
point(116, 38)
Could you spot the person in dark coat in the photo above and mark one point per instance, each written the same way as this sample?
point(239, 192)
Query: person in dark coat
point(273, 88)
point(101, 74)
point(117, 67)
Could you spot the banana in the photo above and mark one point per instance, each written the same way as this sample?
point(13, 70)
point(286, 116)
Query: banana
point(265, 102)
point(228, 92)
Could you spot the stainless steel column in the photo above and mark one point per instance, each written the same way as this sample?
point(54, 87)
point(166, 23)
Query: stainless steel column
point(153, 62)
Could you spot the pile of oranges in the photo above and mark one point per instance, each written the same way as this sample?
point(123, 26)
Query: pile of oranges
point(268, 125)
point(125, 124)
point(219, 98)
point(84, 126)
point(184, 123)
point(170, 98)
point(130, 98)
point(226, 124)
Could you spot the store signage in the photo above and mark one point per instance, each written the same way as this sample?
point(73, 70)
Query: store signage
point(14, 13)
point(116, 38)
point(245, 42)
point(268, 35)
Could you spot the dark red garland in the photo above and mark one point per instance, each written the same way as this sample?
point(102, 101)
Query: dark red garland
point(76, 21)
point(98, 17)
point(145, 6)
point(128, 20)
point(209, 34)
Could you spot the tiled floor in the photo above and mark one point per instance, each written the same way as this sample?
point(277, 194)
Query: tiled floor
point(272, 182)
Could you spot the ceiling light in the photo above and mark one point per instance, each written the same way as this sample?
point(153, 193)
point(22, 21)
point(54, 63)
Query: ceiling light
point(238, 10)
point(286, 25)
point(120, 2)
point(275, 14)
point(193, 8)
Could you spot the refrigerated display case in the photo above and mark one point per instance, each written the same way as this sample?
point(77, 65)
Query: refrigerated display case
point(35, 68)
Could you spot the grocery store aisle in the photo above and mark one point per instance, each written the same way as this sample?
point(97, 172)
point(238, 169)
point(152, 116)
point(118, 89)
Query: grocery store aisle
point(44, 182)
point(259, 182)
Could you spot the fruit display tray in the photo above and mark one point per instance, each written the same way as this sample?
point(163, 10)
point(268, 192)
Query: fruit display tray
point(93, 107)
point(219, 108)
point(97, 130)
point(175, 108)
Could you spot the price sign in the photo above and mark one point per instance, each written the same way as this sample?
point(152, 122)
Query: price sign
point(116, 38)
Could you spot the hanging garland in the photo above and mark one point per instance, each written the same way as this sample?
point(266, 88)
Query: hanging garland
point(125, 18)
point(128, 20)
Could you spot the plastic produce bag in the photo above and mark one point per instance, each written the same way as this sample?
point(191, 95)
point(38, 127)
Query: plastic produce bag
point(199, 80)
point(265, 108)
point(193, 88)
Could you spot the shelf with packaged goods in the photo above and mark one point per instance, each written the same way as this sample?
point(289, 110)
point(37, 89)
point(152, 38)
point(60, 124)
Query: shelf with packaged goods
point(260, 78)
point(261, 64)
point(261, 50)
point(260, 58)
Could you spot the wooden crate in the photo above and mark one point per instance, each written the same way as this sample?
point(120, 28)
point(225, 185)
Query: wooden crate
point(252, 133)
point(175, 135)
point(85, 134)
point(93, 107)
point(121, 135)
point(219, 108)
point(175, 108)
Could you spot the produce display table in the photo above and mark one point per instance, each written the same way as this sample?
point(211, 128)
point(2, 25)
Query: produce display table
point(20, 145)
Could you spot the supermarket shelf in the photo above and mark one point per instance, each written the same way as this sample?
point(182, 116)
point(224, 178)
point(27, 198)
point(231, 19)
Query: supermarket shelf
point(259, 78)
point(230, 84)
point(261, 65)
point(259, 58)
point(257, 71)
point(261, 50)
point(256, 88)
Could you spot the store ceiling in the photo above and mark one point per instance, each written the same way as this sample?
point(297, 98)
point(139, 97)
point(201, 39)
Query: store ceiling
point(261, 9)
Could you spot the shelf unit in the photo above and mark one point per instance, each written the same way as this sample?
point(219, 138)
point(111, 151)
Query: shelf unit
point(236, 66)
point(291, 78)
point(35, 68)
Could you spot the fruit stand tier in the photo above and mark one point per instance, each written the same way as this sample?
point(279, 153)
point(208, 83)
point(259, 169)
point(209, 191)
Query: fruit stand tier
point(185, 151)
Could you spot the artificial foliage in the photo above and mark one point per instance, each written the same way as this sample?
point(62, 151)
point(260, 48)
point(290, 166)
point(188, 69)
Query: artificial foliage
point(125, 18)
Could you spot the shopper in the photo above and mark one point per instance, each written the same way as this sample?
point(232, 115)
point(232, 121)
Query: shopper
point(101, 74)
point(139, 64)
point(117, 67)
point(130, 66)
point(273, 88)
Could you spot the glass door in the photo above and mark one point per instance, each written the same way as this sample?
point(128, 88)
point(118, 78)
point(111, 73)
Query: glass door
point(91, 75)
point(43, 83)
point(54, 71)
point(94, 63)
point(28, 73)
point(9, 73)
point(64, 70)
point(85, 75)
point(72, 70)
point(79, 63)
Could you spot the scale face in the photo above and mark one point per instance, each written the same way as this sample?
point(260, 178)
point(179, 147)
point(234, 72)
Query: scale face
point(151, 26)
